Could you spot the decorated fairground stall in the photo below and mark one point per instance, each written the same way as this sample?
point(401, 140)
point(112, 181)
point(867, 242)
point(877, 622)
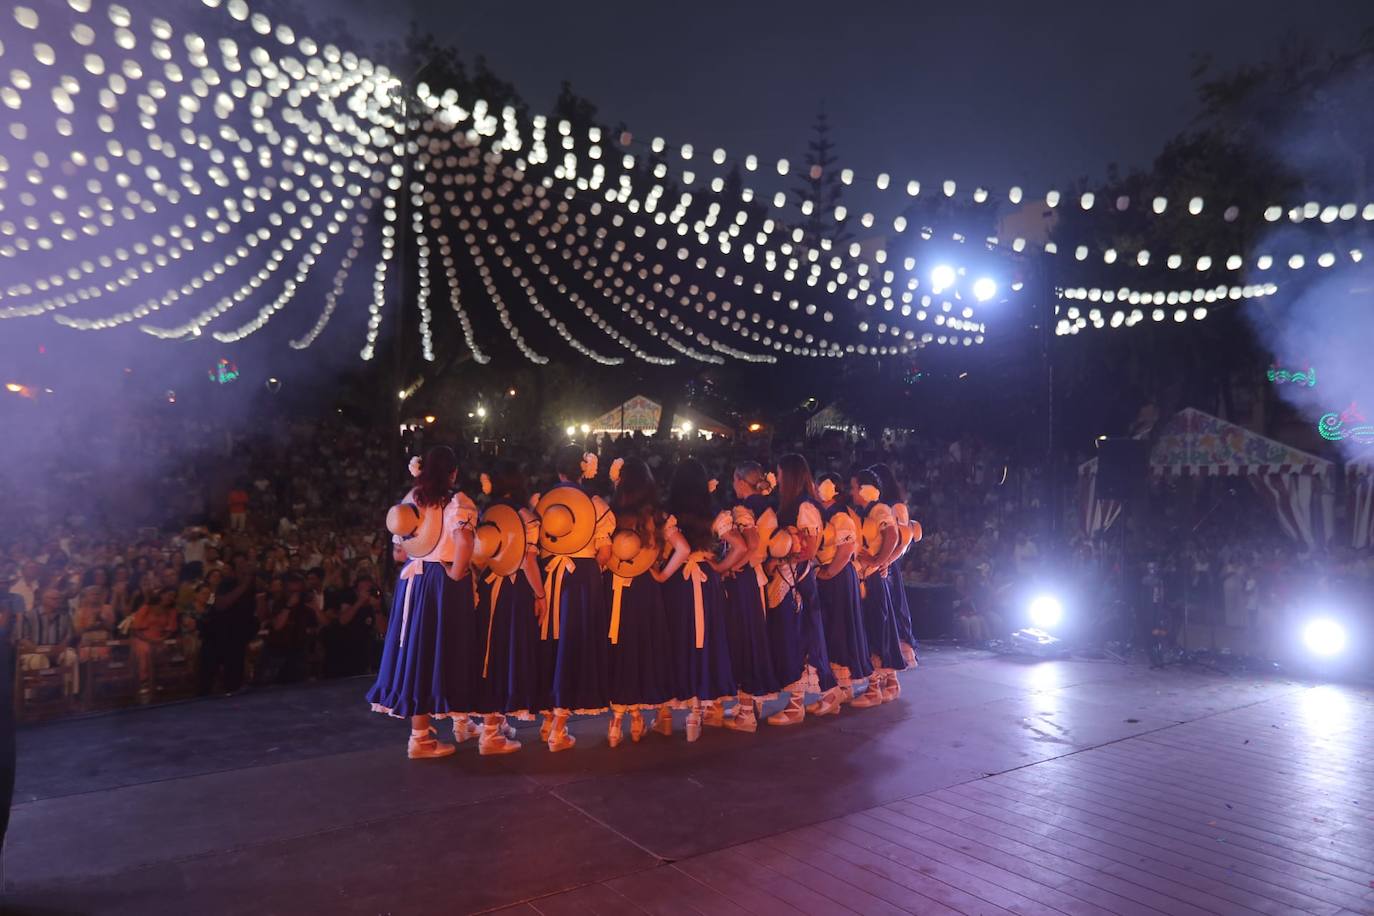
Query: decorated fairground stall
point(640, 414)
point(1297, 487)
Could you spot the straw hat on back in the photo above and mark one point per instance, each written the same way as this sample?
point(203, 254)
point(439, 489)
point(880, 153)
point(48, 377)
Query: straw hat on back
point(630, 556)
point(418, 530)
point(567, 520)
point(499, 541)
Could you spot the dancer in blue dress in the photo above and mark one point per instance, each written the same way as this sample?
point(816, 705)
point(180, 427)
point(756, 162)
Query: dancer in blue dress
point(575, 534)
point(751, 658)
point(794, 623)
point(433, 646)
point(694, 598)
point(838, 592)
point(799, 511)
point(878, 542)
point(514, 607)
point(641, 660)
point(893, 495)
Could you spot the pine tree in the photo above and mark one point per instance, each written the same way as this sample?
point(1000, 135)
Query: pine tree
point(820, 185)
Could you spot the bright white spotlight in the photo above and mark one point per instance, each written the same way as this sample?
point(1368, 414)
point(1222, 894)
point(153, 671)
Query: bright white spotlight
point(1324, 637)
point(942, 277)
point(984, 288)
point(1046, 612)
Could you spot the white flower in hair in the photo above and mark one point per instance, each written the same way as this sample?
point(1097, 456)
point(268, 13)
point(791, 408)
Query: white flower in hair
point(826, 490)
point(869, 493)
point(589, 465)
point(772, 482)
point(711, 485)
point(486, 484)
point(616, 465)
point(415, 466)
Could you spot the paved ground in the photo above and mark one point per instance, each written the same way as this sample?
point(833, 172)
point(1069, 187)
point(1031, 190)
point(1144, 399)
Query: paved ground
point(993, 786)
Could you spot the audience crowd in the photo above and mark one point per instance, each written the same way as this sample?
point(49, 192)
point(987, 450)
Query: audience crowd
point(260, 558)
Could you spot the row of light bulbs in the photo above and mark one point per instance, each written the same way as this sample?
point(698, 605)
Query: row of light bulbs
point(362, 140)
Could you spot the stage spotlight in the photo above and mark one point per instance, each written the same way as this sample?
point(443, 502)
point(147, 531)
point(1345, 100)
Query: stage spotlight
point(586, 428)
point(942, 277)
point(1324, 637)
point(1046, 612)
point(984, 288)
point(571, 430)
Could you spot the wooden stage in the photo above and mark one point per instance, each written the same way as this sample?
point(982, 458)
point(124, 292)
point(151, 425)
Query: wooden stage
point(993, 786)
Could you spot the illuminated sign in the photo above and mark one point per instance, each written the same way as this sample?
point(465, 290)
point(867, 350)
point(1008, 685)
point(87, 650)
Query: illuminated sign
point(1341, 427)
point(1295, 377)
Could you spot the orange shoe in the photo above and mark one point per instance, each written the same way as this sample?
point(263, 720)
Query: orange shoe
point(614, 733)
point(827, 705)
point(559, 739)
point(494, 740)
point(425, 746)
point(743, 720)
point(872, 696)
point(792, 714)
point(664, 723)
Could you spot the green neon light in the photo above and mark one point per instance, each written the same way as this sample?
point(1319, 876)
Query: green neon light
point(1333, 427)
point(1281, 376)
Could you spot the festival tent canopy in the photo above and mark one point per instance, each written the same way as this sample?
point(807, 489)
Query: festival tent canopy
point(1194, 443)
point(641, 415)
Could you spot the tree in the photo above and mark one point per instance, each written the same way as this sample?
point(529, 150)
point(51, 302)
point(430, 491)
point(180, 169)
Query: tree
point(821, 187)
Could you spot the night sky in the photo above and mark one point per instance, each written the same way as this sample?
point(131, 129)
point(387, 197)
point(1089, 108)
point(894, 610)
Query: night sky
point(999, 93)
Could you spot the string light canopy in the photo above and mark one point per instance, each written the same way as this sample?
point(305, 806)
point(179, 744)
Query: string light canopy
point(188, 184)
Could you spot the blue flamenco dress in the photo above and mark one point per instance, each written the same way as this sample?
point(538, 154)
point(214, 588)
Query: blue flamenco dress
point(697, 613)
point(511, 681)
point(434, 644)
point(575, 652)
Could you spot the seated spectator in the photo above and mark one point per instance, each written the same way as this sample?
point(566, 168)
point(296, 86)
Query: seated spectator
point(93, 622)
point(285, 646)
point(46, 640)
point(349, 633)
point(150, 627)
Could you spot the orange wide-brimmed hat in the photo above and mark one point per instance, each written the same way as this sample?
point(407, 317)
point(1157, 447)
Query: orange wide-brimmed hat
point(499, 541)
point(567, 520)
point(417, 529)
point(629, 555)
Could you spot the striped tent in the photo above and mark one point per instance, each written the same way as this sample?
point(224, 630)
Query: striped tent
point(1295, 485)
point(1359, 491)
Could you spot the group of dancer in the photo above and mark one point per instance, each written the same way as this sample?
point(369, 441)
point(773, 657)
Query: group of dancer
point(565, 603)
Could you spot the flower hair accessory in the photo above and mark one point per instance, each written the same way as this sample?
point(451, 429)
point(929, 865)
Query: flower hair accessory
point(711, 485)
point(770, 483)
point(826, 490)
point(616, 465)
point(869, 493)
point(589, 465)
point(415, 466)
point(486, 484)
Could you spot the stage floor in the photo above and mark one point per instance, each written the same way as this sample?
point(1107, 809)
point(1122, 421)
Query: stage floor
point(993, 786)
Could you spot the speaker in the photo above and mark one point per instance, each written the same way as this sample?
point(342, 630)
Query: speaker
point(1123, 467)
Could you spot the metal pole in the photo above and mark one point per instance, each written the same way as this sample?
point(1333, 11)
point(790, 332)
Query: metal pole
point(1047, 320)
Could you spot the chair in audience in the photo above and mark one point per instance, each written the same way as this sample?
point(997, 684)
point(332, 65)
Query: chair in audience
point(174, 671)
point(112, 680)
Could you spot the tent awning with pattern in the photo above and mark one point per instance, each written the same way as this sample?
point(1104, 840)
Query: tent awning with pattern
point(641, 415)
point(1193, 442)
point(1293, 483)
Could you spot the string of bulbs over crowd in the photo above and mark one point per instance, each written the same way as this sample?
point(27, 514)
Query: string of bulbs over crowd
point(282, 143)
